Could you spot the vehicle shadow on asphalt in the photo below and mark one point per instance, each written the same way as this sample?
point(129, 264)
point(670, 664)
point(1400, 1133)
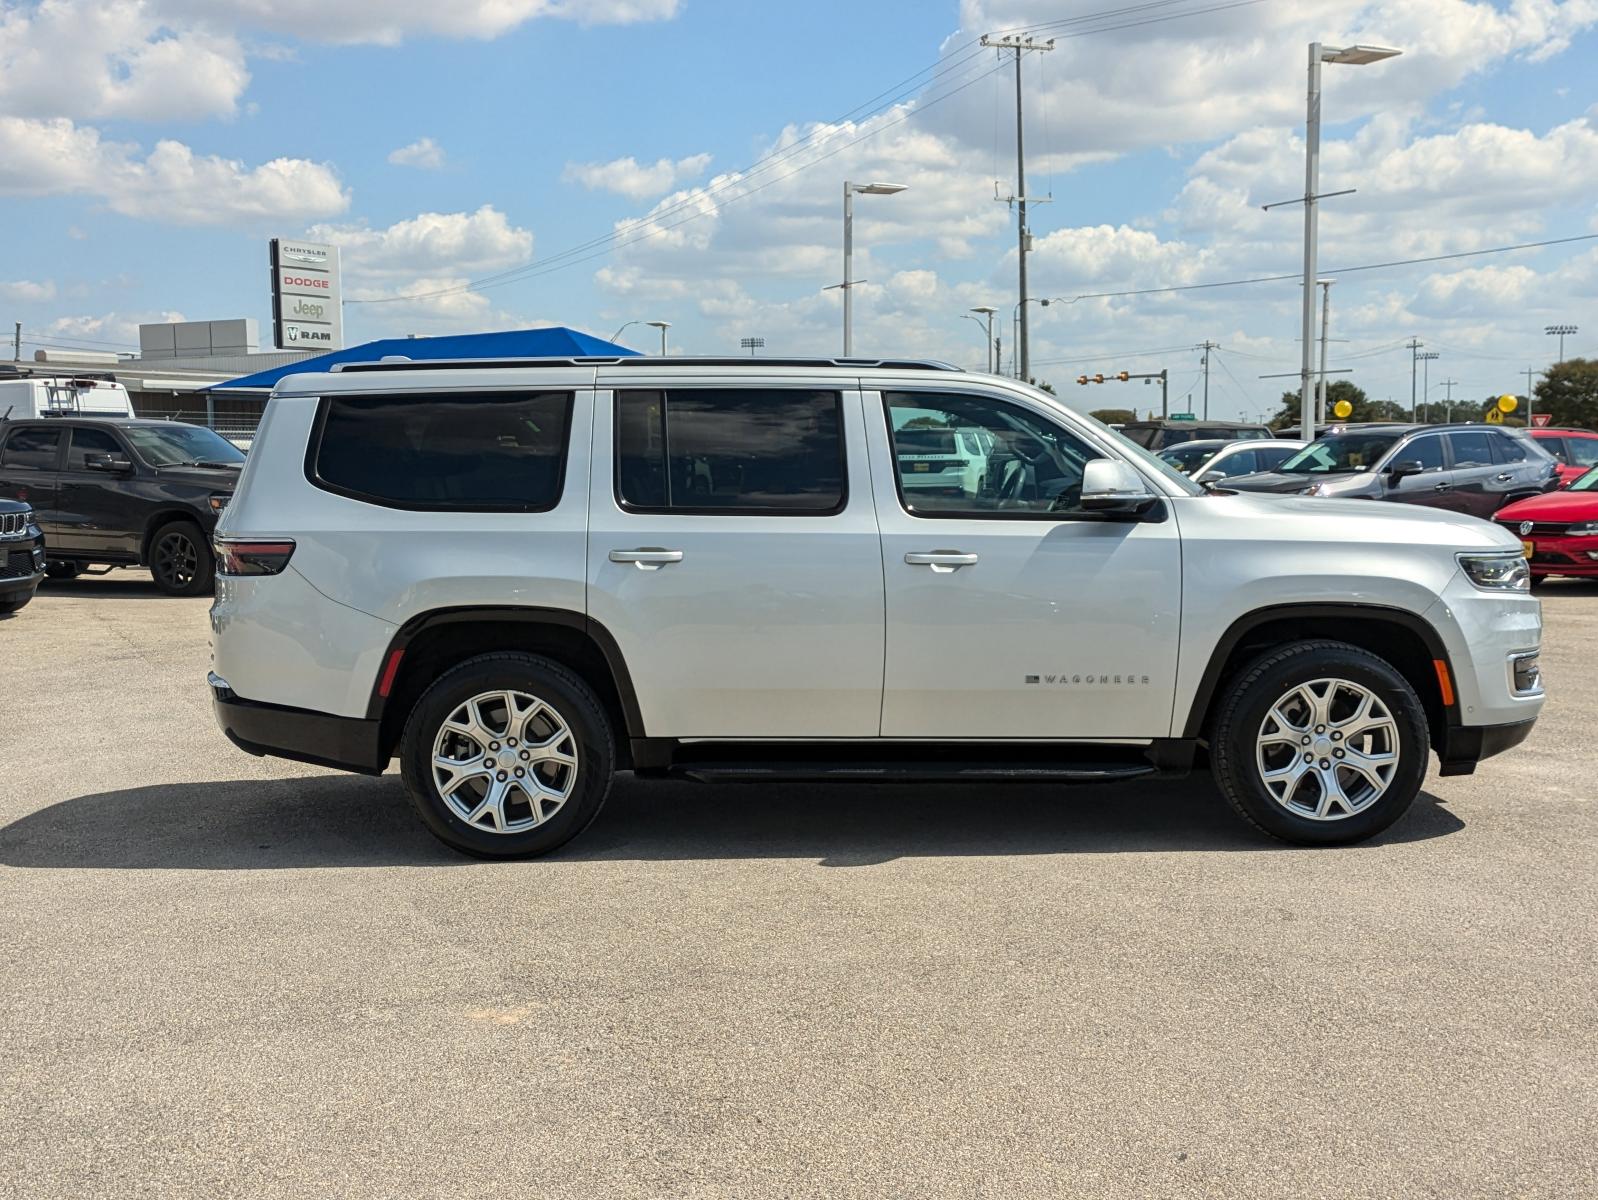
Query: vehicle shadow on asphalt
point(130, 584)
point(351, 821)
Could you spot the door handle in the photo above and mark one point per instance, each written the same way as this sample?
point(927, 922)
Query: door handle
point(1442, 487)
point(1505, 477)
point(646, 558)
point(941, 560)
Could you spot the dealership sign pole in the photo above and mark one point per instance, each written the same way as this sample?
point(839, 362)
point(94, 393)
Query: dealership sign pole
point(307, 306)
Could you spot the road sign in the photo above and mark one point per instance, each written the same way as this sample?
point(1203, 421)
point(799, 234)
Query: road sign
point(1183, 417)
point(1541, 420)
point(1495, 416)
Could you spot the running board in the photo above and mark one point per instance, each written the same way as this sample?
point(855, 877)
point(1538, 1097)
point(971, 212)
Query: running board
point(898, 772)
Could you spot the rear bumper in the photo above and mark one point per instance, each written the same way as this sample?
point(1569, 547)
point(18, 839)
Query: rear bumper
point(1467, 745)
point(345, 743)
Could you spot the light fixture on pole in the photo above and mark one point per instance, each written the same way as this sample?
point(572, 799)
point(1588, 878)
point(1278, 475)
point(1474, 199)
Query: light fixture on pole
point(1427, 357)
point(752, 344)
point(662, 326)
point(625, 328)
point(848, 284)
point(1353, 56)
point(1561, 332)
point(988, 311)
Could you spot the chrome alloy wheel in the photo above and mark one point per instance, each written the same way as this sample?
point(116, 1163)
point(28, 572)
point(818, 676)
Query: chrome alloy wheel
point(504, 762)
point(1327, 749)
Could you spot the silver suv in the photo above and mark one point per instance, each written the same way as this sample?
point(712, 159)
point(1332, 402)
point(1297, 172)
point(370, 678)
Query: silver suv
point(521, 577)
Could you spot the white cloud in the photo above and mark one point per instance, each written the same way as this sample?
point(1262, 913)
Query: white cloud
point(105, 331)
point(171, 183)
point(429, 245)
point(26, 290)
point(423, 153)
point(628, 177)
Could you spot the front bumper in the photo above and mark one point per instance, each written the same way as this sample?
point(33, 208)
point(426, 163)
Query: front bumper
point(345, 743)
point(21, 569)
point(1564, 555)
point(1467, 745)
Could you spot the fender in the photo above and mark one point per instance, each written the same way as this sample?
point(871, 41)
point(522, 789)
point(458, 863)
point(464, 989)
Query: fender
point(1244, 625)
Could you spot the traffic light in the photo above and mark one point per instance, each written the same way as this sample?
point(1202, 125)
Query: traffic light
point(1082, 379)
point(1098, 379)
point(1124, 376)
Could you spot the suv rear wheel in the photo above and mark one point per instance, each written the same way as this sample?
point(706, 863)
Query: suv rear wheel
point(508, 756)
point(180, 559)
point(1320, 743)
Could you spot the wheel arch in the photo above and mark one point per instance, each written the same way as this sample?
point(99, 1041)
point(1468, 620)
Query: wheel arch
point(1402, 638)
point(166, 515)
point(430, 643)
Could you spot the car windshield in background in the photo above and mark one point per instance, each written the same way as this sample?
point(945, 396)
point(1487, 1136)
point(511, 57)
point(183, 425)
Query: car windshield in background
point(1343, 452)
point(181, 445)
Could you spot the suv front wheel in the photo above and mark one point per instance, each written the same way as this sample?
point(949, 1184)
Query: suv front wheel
point(507, 756)
point(1320, 743)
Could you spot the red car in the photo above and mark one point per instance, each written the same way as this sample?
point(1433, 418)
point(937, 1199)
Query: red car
point(1576, 450)
point(1558, 529)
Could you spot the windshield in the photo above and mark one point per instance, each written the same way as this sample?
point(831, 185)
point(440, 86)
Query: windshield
point(1587, 483)
point(1343, 452)
point(181, 445)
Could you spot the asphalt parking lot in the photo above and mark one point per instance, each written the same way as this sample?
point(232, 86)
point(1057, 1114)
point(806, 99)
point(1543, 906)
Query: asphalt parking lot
point(233, 976)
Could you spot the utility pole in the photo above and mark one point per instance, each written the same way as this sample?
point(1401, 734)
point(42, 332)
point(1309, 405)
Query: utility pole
point(1165, 403)
point(1529, 371)
point(1023, 235)
point(1450, 384)
point(16, 345)
point(1207, 346)
point(1326, 321)
point(1414, 345)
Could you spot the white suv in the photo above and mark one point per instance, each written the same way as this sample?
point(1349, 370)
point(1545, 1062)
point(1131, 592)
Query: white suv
point(521, 577)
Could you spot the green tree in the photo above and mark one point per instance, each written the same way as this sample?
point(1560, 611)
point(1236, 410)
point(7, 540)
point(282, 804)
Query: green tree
point(1569, 391)
point(1113, 416)
point(1365, 409)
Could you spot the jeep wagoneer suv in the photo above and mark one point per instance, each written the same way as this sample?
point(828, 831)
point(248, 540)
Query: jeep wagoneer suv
point(520, 577)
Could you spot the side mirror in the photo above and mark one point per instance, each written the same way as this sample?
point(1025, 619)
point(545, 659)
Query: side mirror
point(107, 462)
point(1403, 470)
point(1114, 488)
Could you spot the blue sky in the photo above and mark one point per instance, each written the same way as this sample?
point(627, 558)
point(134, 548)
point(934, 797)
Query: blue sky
point(147, 151)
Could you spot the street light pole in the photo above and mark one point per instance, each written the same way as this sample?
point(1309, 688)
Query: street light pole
point(1560, 332)
point(662, 326)
point(988, 311)
point(849, 189)
point(1326, 321)
point(1426, 358)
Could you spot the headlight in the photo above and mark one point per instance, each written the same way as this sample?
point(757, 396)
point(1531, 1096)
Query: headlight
point(1313, 489)
point(1497, 572)
point(1584, 529)
point(219, 501)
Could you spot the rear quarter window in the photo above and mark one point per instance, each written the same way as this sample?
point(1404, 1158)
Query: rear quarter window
point(446, 452)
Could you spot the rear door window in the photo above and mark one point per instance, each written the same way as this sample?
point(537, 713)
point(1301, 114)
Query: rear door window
point(1556, 447)
point(735, 451)
point(1471, 449)
point(1583, 451)
point(451, 452)
point(35, 449)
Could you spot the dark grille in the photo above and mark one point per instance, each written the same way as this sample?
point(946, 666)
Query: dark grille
point(12, 524)
point(1538, 528)
point(18, 565)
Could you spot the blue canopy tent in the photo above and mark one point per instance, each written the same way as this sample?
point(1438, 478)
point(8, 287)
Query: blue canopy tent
point(554, 342)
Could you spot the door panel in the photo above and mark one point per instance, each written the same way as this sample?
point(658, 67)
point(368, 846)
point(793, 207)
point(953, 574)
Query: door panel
point(1434, 486)
point(1063, 626)
point(745, 623)
point(1477, 489)
point(30, 458)
point(95, 508)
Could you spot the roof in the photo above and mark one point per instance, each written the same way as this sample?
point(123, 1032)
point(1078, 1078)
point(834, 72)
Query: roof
point(1169, 423)
point(555, 341)
point(92, 418)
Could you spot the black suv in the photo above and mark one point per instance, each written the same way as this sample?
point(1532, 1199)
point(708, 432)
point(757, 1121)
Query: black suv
point(122, 492)
point(1475, 469)
point(21, 555)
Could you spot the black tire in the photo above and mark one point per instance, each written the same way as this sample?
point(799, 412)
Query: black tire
point(563, 692)
point(1251, 696)
point(180, 559)
point(58, 569)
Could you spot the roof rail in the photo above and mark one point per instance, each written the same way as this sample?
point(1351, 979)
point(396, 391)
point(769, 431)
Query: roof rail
point(642, 361)
point(15, 371)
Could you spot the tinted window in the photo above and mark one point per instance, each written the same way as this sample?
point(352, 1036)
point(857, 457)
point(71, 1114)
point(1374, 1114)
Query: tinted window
point(1032, 465)
point(31, 448)
point(1510, 448)
point(1427, 451)
point(91, 441)
point(1341, 452)
point(1556, 447)
point(480, 451)
point(1271, 457)
point(1583, 451)
point(1471, 449)
point(750, 450)
point(1243, 462)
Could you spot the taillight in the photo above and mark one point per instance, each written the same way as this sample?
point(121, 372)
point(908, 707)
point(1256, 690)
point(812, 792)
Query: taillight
point(252, 556)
